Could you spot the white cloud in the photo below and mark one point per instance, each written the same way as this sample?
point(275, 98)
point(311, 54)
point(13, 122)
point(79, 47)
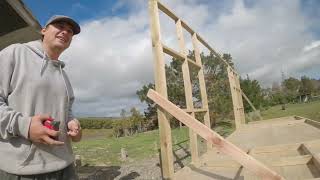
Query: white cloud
point(107, 64)
point(112, 57)
point(263, 39)
point(311, 46)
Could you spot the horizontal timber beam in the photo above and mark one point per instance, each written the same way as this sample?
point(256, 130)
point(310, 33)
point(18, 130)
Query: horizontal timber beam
point(167, 11)
point(289, 161)
point(275, 148)
point(179, 56)
point(281, 161)
point(315, 156)
point(194, 110)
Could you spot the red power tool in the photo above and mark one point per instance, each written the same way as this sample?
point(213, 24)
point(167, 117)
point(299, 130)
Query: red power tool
point(52, 124)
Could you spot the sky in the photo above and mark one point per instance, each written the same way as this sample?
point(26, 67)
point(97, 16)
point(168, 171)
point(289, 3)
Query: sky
point(112, 57)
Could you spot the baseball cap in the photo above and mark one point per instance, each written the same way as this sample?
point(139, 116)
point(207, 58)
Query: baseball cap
point(61, 18)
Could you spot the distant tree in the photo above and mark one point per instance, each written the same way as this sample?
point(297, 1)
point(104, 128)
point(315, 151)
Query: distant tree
point(175, 91)
point(137, 120)
point(316, 85)
point(123, 114)
point(125, 124)
point(151, 111)
point(278, 97)
point(218, 88)
point(291, 88)
point(292, 84)
point(217, 84)
point(253, 91)
point(128, 124)
point(117, 128)
point(307, 86)
point(275, 87)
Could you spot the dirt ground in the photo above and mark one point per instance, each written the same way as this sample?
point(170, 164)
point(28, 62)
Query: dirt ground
point(148, 169)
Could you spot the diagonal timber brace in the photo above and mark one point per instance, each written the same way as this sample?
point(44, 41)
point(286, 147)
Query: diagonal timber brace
point(211, 136)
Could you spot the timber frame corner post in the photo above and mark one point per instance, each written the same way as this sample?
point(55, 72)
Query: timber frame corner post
point(161, 88)
point(236, 94)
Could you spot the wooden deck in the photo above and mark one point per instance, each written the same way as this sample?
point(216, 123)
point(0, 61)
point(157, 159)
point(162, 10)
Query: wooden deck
point(288, 145)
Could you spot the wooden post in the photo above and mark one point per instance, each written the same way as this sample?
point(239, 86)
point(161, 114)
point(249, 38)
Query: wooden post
point(161, 88)
point(202, 83)
point(220, 143)
point(77, 161)
point(235, 99)
point(124, 154)
point(188, 92)
point(240, 102)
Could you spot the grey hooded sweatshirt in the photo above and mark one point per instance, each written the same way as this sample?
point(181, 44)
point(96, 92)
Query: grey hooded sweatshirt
point(32, 84)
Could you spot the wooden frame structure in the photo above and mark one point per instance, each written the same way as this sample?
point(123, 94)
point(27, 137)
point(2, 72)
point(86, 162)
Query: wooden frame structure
point(160, 83)
point(265, 138)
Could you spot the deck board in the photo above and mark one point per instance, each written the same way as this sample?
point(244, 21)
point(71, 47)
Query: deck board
point(275, 142)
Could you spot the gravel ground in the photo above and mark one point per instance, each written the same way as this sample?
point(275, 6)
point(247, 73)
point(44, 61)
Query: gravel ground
point(148, 169)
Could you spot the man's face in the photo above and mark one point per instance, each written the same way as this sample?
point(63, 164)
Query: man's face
point(57, 35)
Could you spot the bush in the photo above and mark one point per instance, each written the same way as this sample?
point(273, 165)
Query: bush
point(96, 123)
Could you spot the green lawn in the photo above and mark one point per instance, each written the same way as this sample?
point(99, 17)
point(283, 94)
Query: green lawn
point(98, 147)
point(309, 110)
point(93, 134)
point(106, 150)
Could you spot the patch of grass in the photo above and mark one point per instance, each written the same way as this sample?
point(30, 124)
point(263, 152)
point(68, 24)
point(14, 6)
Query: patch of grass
point(309, 110)
point(99, 118)
point(105, 150)
point(89, 134)
point(224, 127)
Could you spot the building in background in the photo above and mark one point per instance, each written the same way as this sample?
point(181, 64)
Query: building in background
point(18, 25)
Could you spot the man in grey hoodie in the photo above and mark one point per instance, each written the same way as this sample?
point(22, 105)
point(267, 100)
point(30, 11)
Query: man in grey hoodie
point(33, 88)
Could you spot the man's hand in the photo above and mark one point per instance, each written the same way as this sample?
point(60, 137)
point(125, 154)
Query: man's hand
point(40, 134)
point(75, 131)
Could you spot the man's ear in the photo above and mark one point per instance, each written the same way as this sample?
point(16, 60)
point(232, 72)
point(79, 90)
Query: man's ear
point(43, 30)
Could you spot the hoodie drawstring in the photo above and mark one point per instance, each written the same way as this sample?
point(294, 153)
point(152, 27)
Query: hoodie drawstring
point(44, 63)
point(68, 99)
point(65, 84)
